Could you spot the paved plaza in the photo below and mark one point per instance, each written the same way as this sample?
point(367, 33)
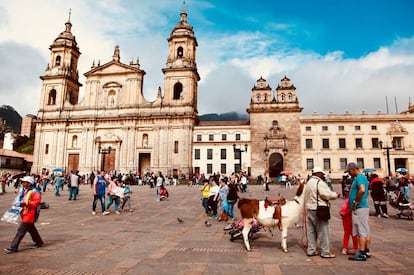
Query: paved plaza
point(150, 240)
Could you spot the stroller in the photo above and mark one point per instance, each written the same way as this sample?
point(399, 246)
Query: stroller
point(400, 202)
point(236, 229)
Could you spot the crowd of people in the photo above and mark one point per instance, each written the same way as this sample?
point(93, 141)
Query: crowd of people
point(219, 196)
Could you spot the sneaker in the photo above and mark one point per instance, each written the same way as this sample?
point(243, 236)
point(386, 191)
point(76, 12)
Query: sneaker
point(385, 215)
point(366, 253)
point(119, 213)
point(8, 250)
point(93, 213)
point(35, 245)
point(358, 257)
point(214, 217)
point(105, 213)
point(344, 251)
point(379, 215)
point(131, 210)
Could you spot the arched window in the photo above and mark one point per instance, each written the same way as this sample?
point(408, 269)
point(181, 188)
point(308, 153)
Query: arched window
point(258, 98)
point(289, 97)
point(180, 52)
point(282, 97)
point(178, 89)
point(144, 140)
point(265, 98)
point(275, 123)
point(57, 61)
point(52, 97)
point(74, 141)
point(112, 98)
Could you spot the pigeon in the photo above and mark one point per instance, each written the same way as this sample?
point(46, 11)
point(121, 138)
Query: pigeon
point(207, 223)
point(180, 220)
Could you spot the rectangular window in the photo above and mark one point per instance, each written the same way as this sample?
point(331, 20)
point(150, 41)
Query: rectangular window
point(324, 128)
point(176, 147)
point(357, 128)
point(223, 153)
point(209, 168)
point(374, 127)
point(325, 143)
point(342, 163)
point(223, 137)
point(342, 144)
point(326, 164)
point(309, 144)
point(358, 143)
point(377, 163)
point(211, 137)
point(308, 128)
point(397, 143)
point(196, 153)
point(309, 164)
point(209, 153)
point(360, 163)
point(223, 168)
point(237, 154)
point(375, 143)
point(199, 137)
point(47, 149)
point(341, 128)
point(238, 137)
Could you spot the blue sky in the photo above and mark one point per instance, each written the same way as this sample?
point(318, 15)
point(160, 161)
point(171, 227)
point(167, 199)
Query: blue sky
point(341, 55)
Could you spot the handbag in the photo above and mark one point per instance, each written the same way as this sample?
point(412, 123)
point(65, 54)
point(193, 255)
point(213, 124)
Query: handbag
point(322, 212)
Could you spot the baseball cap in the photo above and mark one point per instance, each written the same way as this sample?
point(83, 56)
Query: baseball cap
point(318, 170)
point(28, 179)
point(350, 166)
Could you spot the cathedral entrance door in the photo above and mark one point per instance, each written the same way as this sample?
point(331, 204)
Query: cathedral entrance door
point(73, 162)
point(108, 160)
point(275, 165)
point(144, 164)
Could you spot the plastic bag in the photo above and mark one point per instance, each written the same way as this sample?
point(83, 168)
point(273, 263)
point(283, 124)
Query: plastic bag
point(12, 215)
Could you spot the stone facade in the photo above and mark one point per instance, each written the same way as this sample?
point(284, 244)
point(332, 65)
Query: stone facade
point(115, 128)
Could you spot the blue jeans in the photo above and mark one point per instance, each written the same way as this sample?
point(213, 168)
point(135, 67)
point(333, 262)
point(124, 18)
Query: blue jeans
point(57, 190)
point(101, 198)
point(204, 202)
point(317, 229)
point(230, 208)
point(406, 192)
point(112, 199)
point(73, 191)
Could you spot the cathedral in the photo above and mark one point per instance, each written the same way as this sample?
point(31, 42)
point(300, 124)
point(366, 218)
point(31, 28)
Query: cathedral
point(115, 128)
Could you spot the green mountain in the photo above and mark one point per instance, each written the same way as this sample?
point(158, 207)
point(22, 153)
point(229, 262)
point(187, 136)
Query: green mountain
point(11, 117)
point(231, 116)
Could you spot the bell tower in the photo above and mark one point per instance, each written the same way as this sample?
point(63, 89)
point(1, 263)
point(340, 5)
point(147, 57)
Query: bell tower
point(180, 73)
point(60, 83)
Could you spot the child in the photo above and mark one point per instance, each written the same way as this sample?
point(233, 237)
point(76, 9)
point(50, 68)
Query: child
point(127, 197)
point(163, 193)
point(346, 215)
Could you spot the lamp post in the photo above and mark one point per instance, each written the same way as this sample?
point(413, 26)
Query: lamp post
point(240, 151)
point(387, 149)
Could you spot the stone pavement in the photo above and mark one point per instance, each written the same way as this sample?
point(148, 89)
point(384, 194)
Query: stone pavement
point(150, 240)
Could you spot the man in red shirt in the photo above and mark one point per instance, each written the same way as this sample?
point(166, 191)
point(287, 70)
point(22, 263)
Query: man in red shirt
point(30, 202)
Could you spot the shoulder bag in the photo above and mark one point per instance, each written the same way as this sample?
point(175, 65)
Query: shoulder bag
point(322, 211)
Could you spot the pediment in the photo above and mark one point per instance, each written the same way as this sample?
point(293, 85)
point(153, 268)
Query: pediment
point(112, 67)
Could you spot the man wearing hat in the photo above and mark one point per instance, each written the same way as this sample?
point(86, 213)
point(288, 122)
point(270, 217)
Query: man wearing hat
point(29, 200)
point(358, 202)
point(317, 193)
